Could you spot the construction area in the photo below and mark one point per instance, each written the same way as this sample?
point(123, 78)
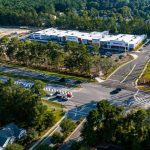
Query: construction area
point(13, 32)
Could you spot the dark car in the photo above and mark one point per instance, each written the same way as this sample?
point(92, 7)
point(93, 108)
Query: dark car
point(56, 93)
point(65, 98)
point(114, 92)
point(62, 80)
point(78, 82)
point(49, 94)
point(118, 89)
point(59, 95)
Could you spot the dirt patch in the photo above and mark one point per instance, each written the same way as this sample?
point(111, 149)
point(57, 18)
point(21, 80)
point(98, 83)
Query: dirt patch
point(12, 31)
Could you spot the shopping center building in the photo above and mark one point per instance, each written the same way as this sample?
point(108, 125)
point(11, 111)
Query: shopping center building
point(102, 39)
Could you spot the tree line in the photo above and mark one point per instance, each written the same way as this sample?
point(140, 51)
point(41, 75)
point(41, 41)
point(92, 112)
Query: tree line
point(72, 58)
point(125, 16)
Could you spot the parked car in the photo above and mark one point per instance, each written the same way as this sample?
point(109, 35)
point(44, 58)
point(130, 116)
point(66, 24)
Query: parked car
point(65, 98)
point(62, 80)
point(49, 94)
point(118, 89)
point(56, 93)
point(108, 54)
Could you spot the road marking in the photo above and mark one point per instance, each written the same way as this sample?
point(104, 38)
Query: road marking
point(136, 82)
point(134, 58)
point(128, 74)
point(78, 127)
point(78, 113)
point(113, 80)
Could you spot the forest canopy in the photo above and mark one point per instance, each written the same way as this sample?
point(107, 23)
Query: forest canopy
point(126, 16)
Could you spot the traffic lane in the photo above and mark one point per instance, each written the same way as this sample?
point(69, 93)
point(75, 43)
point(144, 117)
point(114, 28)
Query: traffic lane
point(95, 93)
point(20, 71)
point(48, 138)
point(79, 112)
point(142, 58)
point(90, 92)
point(67, 145)
point(140, 64)
point(123, 98)
point(118, 84)
point(122, 72)
point(134, 75)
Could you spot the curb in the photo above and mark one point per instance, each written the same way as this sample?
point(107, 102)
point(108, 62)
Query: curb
point(99, 80)
point(138, 50)
point(134, 58)
point(136, 82)
point(128, 74)
point(75, 130)
point(52, 129)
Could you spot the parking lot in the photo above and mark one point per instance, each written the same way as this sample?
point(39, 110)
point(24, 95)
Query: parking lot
point(114, 53)
point(54, 91)
point(28, 73)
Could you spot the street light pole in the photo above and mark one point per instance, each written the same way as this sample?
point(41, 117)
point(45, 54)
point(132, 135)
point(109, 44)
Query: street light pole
point(125, 51)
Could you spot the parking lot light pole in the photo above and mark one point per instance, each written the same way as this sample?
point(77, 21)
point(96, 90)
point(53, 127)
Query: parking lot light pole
point(125, 51)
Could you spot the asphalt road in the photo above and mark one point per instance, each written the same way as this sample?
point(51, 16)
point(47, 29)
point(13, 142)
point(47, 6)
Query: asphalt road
point(124, 78)
point(29, 73)
point(135, 66)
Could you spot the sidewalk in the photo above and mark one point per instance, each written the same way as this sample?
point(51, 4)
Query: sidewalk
point(46, 135)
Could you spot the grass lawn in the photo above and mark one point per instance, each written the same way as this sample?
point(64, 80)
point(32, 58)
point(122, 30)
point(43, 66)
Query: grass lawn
point(117, 64)
point(15, 76)
point(44, 72)
point(55, 107)
point(53, 104)
point(147, 72)
point(144, 88)
point(58, 113)
point(144, 82)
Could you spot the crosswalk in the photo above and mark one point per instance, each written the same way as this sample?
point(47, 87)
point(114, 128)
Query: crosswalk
point(130, 99)
point(24, 84)
point(116, 84)
point(53, 90)
point(142, 98)
point(48, 88)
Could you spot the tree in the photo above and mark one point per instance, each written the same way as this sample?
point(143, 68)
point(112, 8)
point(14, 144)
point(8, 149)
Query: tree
point(75, 145)
point(44, 147)
point(32, 113)
point(32, 135)
point(107, 124)
point(57, 138)
point(67, 126)
point(105, 64)
point(4, 40)
point(126, 11)
point(38, 88)
point(14, 147)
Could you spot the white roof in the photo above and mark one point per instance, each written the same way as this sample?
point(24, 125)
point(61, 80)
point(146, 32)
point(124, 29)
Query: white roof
point(126, 38)
point(103, 36)
point(82, 35)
